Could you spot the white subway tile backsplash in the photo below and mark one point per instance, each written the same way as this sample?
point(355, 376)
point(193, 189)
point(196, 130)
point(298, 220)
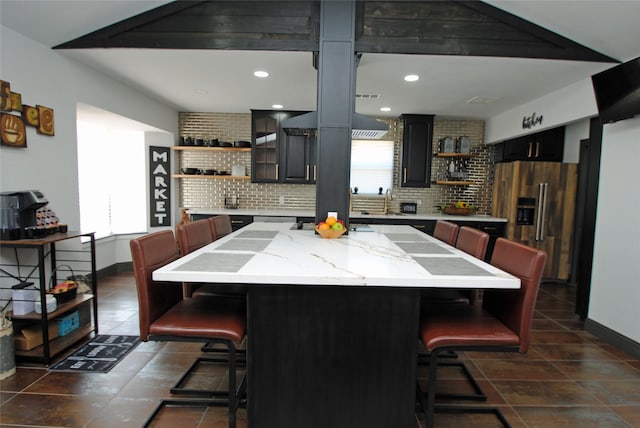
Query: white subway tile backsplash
point(209, 193)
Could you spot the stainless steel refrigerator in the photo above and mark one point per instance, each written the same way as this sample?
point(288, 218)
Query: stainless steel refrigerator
point(538, 200)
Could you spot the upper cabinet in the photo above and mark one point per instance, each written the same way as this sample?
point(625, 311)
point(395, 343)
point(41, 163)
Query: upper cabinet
point(299, 159)
point(277, 157)
point(545, 146)
point(416, 150)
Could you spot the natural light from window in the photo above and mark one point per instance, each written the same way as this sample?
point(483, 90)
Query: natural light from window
point(111, 175)
point(371, 165)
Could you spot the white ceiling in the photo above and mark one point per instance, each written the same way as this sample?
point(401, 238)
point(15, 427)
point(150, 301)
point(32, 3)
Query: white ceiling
point(205, 80)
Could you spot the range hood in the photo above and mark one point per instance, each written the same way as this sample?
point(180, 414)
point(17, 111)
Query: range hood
point(362, 127)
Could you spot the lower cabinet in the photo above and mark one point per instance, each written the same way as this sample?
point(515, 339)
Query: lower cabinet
point(237, 221)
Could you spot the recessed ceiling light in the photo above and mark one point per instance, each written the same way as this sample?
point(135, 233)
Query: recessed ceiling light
point(260, 73)
point(277, 106)
point(411, 77)
point(385, 108)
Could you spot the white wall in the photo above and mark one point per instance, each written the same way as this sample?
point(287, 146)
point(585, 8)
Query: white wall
point(615, 285)
point(49, 164)
point(573, 134)
point(563, 106)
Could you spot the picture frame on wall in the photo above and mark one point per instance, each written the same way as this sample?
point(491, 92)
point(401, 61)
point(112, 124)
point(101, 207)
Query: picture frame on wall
point(12, 131)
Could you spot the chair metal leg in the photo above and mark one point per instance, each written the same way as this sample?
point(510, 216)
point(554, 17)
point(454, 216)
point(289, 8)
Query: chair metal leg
point(478, 394)
point(430, 408)
point(209, 348)
point(195, 402)
point(177, 389)
point(431, 390)
point(478, 410)
point(230, 398)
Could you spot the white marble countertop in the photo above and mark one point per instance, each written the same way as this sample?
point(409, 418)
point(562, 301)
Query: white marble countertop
point(383, 255)
point(352, 215)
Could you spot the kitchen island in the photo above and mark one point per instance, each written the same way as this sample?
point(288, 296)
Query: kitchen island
point(333, 323)
point(494, 226)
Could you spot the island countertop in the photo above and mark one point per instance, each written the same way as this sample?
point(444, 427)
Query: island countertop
point(376, 255)
point(353, 216)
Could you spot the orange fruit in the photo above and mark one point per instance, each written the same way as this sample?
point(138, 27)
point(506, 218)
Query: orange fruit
point(324, 226)
point(331, 220)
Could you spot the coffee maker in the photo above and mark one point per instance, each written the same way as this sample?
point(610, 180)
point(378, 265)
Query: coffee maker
point(18, 212)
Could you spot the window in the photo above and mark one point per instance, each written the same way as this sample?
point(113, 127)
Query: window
point(371, 165)
point(111, 176)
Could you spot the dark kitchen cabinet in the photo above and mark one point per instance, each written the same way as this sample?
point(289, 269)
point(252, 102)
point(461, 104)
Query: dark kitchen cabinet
point(416, 152)
point(299, 159)
point(265, 147)
point(237, 221)
point(545, 146)
point(277, 157)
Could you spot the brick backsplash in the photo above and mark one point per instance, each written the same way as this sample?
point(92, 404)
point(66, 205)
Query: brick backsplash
point(210, 193)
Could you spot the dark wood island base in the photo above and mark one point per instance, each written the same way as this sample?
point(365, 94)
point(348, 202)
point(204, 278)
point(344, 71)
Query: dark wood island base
point(326, 356)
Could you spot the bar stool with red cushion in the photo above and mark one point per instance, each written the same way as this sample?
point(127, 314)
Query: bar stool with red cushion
point(220, 225)
point(473, 242)
point(446, 232)
point(192, 236)
point(501, 324)
point(164, 315)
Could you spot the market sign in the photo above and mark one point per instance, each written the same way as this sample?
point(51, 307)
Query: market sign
point(159, 186)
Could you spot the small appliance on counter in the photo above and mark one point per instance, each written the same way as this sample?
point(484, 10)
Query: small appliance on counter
point(18, 212)
point(408, 207)
point(231, 201)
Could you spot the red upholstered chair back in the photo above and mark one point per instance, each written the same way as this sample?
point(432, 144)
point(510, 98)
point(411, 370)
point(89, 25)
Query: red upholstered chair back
point(473, 241)
point(220, 225)
point(515, 307)
point(192, 236)
point(446, 232)
point(150, 252)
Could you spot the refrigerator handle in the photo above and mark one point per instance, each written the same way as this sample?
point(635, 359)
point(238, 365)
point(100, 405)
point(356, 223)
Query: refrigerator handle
point(539, 212)
point(544, 211)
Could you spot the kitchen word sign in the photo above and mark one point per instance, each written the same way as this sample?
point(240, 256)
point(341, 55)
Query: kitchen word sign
point(529, 122)
point(159, 186)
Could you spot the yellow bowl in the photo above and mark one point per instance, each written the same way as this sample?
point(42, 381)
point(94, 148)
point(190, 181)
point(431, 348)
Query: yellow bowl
point(331, 233)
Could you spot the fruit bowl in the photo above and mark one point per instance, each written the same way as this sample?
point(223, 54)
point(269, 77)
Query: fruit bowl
point(331, 233)
point(459, 211)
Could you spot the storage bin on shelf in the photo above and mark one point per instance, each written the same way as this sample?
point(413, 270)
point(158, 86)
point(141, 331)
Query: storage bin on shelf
point(68, 323)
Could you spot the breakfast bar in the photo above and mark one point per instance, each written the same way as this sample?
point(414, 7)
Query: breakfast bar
point(332, 323)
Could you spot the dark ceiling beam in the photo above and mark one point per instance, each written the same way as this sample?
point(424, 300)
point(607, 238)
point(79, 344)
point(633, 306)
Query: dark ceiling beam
point(572, 49)
point(102, 38)
point(213, 24)
point(471, 28)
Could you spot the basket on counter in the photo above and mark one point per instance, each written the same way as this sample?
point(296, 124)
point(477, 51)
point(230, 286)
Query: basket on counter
point(65, 291)
point(331, 233)
point(459, 211)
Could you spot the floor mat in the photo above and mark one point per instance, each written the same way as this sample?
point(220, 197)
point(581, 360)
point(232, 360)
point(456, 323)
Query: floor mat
point(100, 354)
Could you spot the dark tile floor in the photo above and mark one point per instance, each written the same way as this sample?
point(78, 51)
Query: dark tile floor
point(569, 378)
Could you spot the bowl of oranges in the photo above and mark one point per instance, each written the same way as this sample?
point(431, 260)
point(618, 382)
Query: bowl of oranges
point(331, 228)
